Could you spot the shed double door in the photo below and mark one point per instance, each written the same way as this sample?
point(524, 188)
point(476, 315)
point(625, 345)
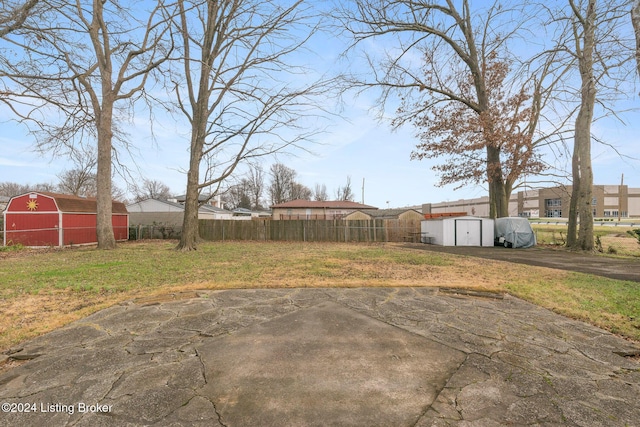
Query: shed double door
point(468, 232)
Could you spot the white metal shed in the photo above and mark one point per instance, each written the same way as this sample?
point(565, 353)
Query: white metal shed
point(458, 231)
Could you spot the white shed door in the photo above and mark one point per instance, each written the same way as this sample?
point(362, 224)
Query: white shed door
point(468, 232)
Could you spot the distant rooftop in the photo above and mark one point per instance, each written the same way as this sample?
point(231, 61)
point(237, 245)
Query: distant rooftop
point(317, 204)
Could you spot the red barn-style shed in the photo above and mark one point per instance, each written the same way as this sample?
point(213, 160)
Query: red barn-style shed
point(51, 219)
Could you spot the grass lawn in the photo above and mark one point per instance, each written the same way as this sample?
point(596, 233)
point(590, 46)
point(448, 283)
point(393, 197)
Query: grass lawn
point(43, 290)
point(614, 240)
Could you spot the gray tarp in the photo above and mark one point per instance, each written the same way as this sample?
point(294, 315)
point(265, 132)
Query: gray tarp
point(515, 231)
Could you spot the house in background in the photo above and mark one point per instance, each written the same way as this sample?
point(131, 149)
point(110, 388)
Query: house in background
point(403, 214)
point(154, 211)
point(315, 209)
point(217, 203)
point(241, 213)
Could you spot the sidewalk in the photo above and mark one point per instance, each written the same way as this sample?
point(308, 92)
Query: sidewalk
point(318, 357)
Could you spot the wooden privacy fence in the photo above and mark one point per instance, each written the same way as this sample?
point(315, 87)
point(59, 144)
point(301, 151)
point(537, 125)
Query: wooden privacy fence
point(378, 230)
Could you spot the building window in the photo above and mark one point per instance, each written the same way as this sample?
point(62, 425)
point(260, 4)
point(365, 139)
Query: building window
point(614, 214)
point(553, 213)
point(553, 208)
point(550, 203)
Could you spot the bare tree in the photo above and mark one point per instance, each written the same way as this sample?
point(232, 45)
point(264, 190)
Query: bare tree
point(592, 43)
point(583, 27)
point(10, 189)
point(345, 193)
point(238, 88)
point(79, 182)
point(87, 61)
point(320, 193)
point(282, 179)
point(13, 14)
point(239, 195)
point(81, 179)
point(152, 189)
point(299, 191)
point(284, 187)
point(453, 44)
point(256, 185)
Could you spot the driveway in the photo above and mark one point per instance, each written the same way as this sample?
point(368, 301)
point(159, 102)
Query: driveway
point(320, 357)
point(615, 268)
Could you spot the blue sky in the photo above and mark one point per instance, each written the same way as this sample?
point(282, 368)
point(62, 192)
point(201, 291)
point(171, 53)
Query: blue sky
point(355, 144)
point(362, 148)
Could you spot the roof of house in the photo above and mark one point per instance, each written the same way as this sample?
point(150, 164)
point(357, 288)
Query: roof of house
point(150, 203)
point(202, 198)
point(71, 203)
point(242, 211)
point(386, 213)
point(176, 205)
point(212, 209)
point(317, 204)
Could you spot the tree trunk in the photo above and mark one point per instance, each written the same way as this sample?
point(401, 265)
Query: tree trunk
point(190, 232)
point(582, 191)
point(498, 197)
point(104, 224)
point(585, 196)
point(572, 230)
point(190, 235)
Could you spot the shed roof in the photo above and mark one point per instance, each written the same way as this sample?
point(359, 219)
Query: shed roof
point(70, 203)
point(317, 204)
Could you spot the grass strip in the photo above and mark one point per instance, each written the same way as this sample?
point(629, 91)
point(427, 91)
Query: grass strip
point(43, 290)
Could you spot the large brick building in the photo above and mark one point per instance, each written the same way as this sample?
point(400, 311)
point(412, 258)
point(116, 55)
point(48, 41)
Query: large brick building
point(609, 201)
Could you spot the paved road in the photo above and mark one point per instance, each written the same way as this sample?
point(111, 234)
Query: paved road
point(318, 357)
point(615, 268)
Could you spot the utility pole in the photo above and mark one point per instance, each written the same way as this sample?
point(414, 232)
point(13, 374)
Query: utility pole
point(363, 191)
point(620, 197)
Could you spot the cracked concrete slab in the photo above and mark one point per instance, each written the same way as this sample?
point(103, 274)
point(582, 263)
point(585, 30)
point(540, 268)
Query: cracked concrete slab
point(326, 365)
point(368, 356)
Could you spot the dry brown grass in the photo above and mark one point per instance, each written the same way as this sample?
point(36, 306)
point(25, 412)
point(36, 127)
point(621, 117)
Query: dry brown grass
point(44, 291)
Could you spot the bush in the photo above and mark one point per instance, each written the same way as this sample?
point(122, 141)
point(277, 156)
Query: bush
point(635, 233)
point(599, 244)
point(10, 247)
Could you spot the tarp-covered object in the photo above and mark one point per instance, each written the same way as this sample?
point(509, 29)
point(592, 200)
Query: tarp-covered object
point(514, 232)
